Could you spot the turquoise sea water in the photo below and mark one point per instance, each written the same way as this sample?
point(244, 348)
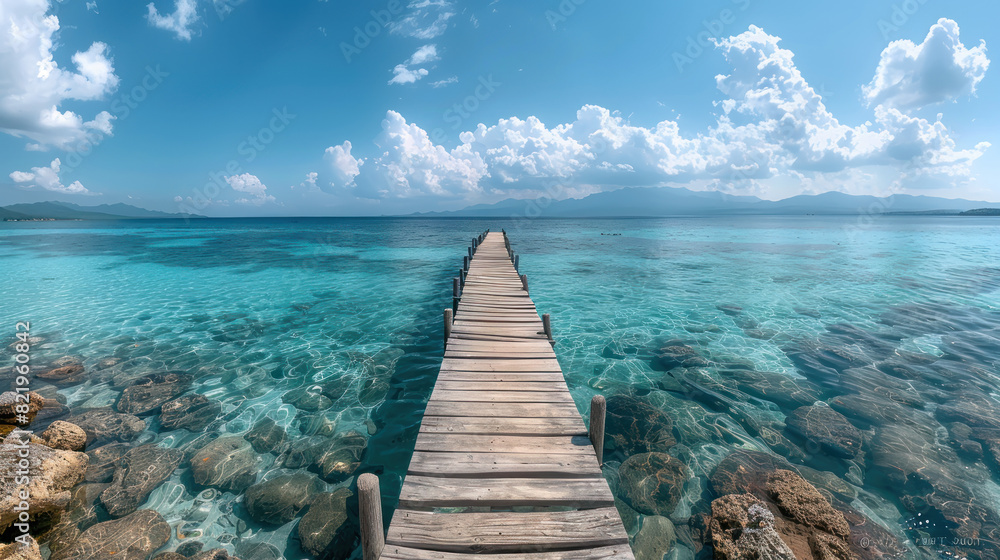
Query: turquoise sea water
point(255, 308)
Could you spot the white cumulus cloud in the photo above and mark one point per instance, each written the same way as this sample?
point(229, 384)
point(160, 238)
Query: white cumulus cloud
point(179, 22)
point(424, 19)
point(251, 185)
point(911, 76)
point(775, 130)
point(405, 73)
point(48, 179)
point(33, 86)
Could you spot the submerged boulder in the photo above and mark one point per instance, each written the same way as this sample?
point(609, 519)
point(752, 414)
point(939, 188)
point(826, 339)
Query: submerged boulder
point(634, 426)
point(266, 436)
point(227, 463)
point(190, 412)
point(279, 500)
point(64, 435)
point(148, 393)
point(652, 483)
point(138, 473)
point(328, 530)
point(133, 537)
point(827, 428)
point(104, 425)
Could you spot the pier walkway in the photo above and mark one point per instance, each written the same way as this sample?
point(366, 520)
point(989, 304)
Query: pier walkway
point(503, 466)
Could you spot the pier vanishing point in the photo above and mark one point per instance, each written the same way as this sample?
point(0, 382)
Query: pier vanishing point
point(503, 466)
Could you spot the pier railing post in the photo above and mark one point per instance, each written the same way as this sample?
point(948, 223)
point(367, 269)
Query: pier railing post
point(465, 263)
point(449, 318)
point(470, 253)
point(547, 325)
point(456, 291)
point(370, 513)
point(524, 282)
point(598, 408)
point(517, 262)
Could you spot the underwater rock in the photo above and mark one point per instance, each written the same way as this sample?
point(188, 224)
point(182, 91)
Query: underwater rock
point(147, 393)
point(257, 550)
point(746, 472)
point(9, 402)
point(190, 548)
point(103, 425)
point(827, 428)
point(634, 426)
point(227, 463)
point(138, 473)
point(266, 436)
point(309, 399)
point(103, 461)
point(278, 500)
point(327, 530)
point(652, 483)
point(781, 389)
point(19, 551)
point(51, 472)
point(872, 410)
point(655, 538)
point(677, 354)
point(871, 380)
point(110, 361)
point(64, 376)
point(133, 537)
point(80, 514)
point(66, 436)
point(742, 528)
point(973, 409)
point(338, 458)
point(373, 391)
point(190, 412)
point(729, 309)
point(800, 501)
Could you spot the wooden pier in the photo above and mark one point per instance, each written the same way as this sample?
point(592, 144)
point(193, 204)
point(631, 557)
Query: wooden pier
point(503, 466)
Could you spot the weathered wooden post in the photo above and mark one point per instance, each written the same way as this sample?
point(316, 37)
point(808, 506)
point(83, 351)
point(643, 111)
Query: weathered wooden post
point(456, 292)
point(517, 262)
point(524, 282)
point(449, 318)
point(465, 263)
point(547, 325)
point(370, 513)
point(461, 275)
point(470, 253)
point(598, 408)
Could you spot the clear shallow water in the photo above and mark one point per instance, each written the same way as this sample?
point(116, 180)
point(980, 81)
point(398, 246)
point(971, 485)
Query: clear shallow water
point(255, 308)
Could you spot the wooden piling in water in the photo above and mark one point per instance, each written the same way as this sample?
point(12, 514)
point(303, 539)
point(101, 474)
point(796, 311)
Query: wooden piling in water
point(370, 514)
point(524, 282)
point(598, 410)
point(449, 320)
point(547, 326)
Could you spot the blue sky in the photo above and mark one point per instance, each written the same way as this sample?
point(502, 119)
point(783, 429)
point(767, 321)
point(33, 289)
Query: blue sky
point(247, 107)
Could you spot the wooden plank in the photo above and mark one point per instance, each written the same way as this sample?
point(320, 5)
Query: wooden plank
point(502, 409)
point(541, 364)
point(507, 532)
point(617, 552)
point(425, 492)
point(502, 396)
point(503, 426)
point(551, 386)
point(497, 465)
point(477, 443)
point(485, 376)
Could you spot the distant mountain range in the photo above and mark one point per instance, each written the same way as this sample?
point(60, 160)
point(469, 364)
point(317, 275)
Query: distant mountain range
point(667, 201)
point(68, 211)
